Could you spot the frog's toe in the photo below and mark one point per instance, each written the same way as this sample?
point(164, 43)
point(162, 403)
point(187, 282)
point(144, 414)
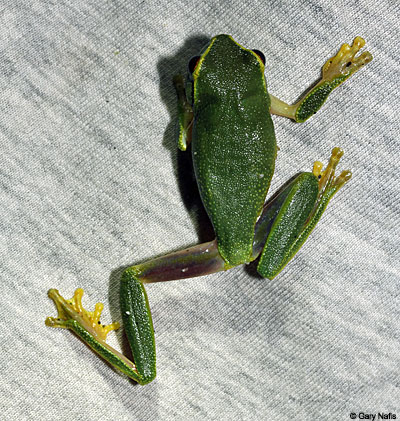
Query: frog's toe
point(326, 177)
point(72, 311)
point(344, 52)
point(362, 59)
point(345, 62)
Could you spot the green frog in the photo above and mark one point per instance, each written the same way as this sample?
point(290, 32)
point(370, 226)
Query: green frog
point(225, 114)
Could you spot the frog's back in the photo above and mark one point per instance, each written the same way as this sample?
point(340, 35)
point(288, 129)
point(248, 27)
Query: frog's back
point(233, 143)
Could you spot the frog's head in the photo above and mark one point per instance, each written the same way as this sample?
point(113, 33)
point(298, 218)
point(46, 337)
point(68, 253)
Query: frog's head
point(223, 63)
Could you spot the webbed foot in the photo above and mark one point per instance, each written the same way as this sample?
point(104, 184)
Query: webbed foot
point(345, 62)
point(334, 72)
point(71, 312)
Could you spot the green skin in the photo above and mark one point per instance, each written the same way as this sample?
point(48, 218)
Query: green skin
point(225, 114)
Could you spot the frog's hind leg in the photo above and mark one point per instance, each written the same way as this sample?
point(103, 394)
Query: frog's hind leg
point(194, 261)
point(289, 217)
point(334, 72)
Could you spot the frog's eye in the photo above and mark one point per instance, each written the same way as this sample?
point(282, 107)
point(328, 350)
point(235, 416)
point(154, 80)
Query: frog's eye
point(260, 54)
point(193, 63)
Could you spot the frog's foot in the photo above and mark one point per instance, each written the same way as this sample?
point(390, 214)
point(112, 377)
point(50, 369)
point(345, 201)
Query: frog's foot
point(328, 184)
point(86, 324)
point(71, 314)
point(334, 72)
point(345, 62)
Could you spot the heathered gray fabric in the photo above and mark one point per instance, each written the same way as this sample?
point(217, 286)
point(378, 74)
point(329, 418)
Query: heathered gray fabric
point(91, 181)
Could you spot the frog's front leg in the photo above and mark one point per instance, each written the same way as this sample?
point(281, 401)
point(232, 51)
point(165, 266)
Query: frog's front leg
point(185, 114)
point(334, 72)
point(195, 261)
point(290, 216)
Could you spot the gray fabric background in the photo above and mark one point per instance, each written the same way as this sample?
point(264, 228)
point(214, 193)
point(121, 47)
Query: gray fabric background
point(91, 181)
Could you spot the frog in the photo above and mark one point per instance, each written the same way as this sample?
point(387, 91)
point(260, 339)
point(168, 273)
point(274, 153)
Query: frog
point(224, 114)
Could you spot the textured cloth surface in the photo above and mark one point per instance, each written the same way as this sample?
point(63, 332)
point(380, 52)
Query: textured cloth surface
point(91, 182)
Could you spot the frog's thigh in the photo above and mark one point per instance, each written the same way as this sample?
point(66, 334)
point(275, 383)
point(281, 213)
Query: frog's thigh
point(198, 260)
point(299, 199)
